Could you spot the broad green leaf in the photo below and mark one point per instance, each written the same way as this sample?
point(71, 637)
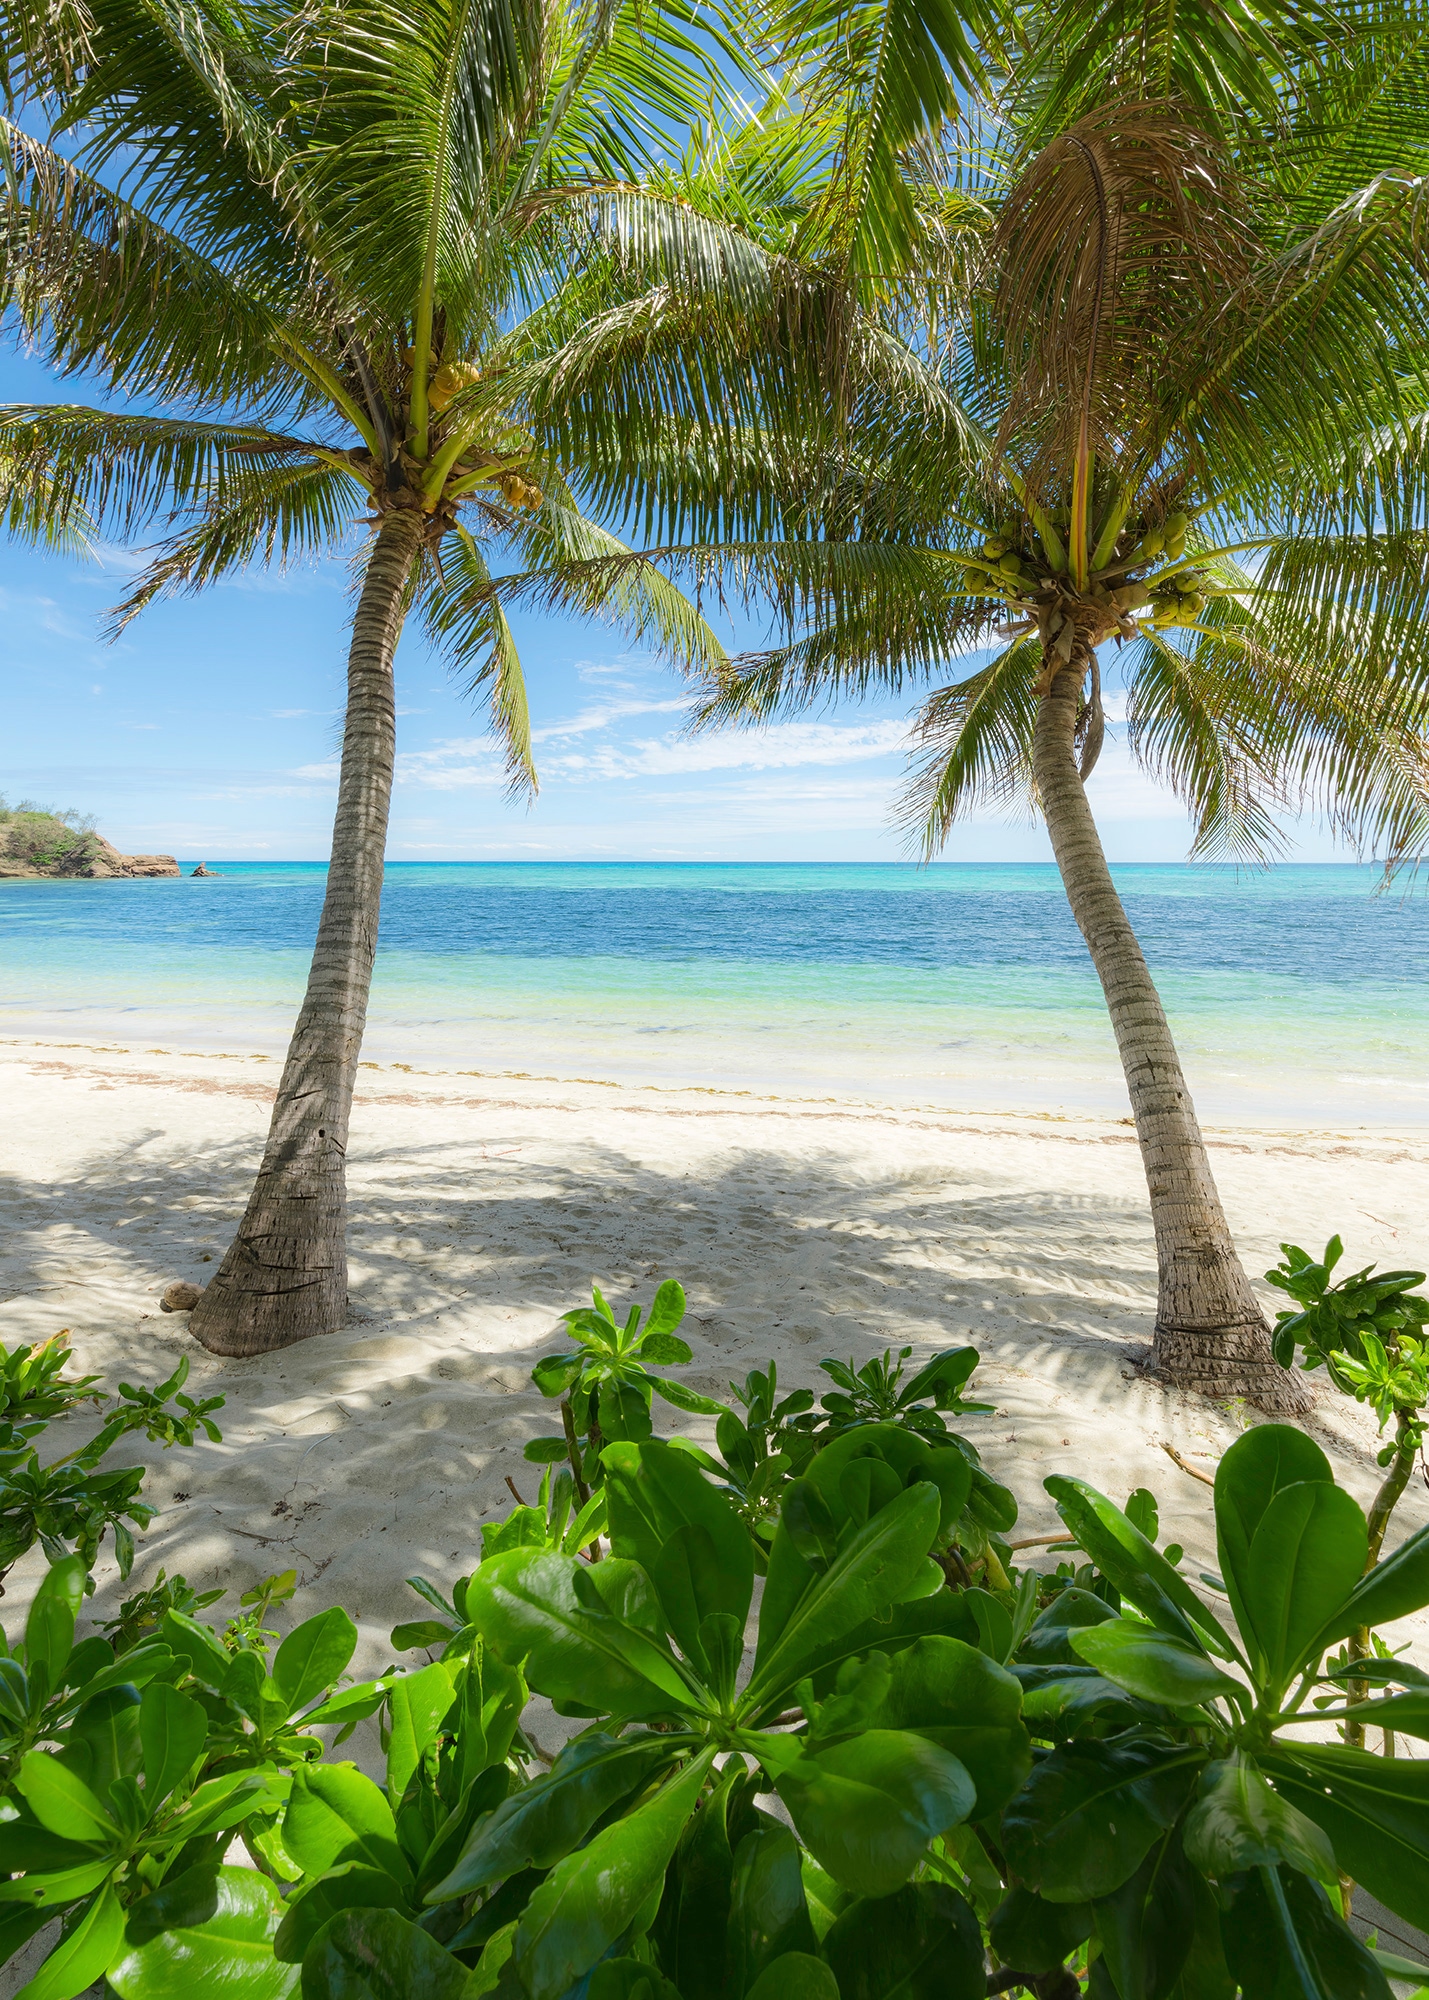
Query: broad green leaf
point(540, 1824)
point(1086, 1818)
point(1137, 1568)
point(944, 1377)
point(62, 1802)
point(768, 1915)
point(1405, 1714)
point(1204, 1976)
point(963, 1701)
point(1375, 1810)
point(172, 1730)
point(208, 1661)
point(922, 1943)
point(225, 1800)
point(663, 1350)
point(379, 1955)
point(826, 1900)
point(1145, 1928)
point(651, 1491)
point(1048, 1641)
point(553, 1374)
point(492, 1698)
point(26, 1846)
point(1270, 1918)
point(104, 1741)
point(685, 1398)
point(526, 1606)
point(1256, 1468)
point(65, 1885)
point(868, 1808)
point(589, 1899)
point(944, 1615)
point(49, 1629)
point(336, 1814)
point(694, 1912)
point(82, 1957)
point(872, 1571)
point(1308, 1553)
point(353, 1704)
point(1061, 1703)
point(351, 1887)
point(417, 1705)
point(312, 1656)
point(994, 1624)
point(798, 1975)
point(629, 1979)
point(1034, 1935)
point(1152, 1664)
point(1393, 1589)
point(208, 1932)
point(693, 1584)
point(1238, 1822)
point(668, 1309)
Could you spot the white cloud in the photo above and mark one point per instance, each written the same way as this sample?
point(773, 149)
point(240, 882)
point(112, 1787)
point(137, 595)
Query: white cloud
point(782, 746)
point(601, 718)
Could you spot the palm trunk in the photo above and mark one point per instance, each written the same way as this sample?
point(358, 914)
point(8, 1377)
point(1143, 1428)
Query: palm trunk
point(1211, 1335)
point(285, 1274)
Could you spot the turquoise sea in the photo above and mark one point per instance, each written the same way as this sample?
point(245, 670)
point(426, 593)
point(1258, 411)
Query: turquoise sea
point(1298, 995)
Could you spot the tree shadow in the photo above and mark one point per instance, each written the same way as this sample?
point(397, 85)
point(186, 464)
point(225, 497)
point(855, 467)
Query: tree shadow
point(365, 1456)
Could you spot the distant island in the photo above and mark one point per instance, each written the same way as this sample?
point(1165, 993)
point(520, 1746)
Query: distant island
point(36, 842)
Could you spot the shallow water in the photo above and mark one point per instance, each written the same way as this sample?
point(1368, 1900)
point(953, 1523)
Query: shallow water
point(1296, 996)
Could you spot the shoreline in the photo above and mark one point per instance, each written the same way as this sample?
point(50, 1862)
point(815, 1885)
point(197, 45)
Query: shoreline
point(741, 1099)
point(482, 1208)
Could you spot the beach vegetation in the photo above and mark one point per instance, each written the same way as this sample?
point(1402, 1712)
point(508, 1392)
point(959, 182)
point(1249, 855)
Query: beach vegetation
point(879, 1790)
point(770, 1442)
point(1367, 1331)
point(336, 268)
point(605, 1383)
point(58, 839)
point(1164, 421)
point(71, 1503)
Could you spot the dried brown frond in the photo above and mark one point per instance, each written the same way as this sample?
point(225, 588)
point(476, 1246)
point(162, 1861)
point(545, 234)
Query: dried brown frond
point(1113, 256)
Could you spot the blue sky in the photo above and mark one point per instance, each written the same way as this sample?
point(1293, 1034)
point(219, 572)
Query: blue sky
point(210, 731)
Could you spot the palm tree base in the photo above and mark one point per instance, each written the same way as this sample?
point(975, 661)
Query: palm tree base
point(1224, 1362)
point(238, 1322)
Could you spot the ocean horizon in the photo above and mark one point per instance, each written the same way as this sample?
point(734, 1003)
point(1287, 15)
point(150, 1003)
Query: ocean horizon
point(1297, 994)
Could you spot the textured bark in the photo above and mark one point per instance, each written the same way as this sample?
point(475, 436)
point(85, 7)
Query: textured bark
point(285, 1274)
point(1211, 1335)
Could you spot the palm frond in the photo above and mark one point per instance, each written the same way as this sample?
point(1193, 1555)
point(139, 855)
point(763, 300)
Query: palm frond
point(275, 513)
point(464, 617)
point(120, 472)
point(975, 739)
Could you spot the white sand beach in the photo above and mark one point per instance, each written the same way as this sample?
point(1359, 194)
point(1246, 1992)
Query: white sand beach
point(482, 1206)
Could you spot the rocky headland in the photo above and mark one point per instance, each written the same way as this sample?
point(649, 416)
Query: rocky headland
point(55, 846)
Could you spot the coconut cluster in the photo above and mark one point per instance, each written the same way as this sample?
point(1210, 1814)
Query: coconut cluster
point(1006, 566)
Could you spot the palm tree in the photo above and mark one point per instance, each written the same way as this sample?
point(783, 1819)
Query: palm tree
point(1170, 396)
point(334, 261)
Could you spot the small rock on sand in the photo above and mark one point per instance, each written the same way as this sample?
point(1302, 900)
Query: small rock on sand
point(180, 1297)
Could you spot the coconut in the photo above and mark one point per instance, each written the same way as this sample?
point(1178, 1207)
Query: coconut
point(1177, 524)
point(1011, 563)
point(994, 547)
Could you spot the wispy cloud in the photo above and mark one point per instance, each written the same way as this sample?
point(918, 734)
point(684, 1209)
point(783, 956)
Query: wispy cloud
point(604, 715)
point(782, 746)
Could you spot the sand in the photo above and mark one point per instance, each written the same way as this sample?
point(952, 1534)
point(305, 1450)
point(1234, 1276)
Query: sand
point(482, 1207)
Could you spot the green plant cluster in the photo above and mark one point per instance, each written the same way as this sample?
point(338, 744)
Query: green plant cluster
point(1366, 1332)
point(70, 1504)
point(45, 837)
point(878, 1783)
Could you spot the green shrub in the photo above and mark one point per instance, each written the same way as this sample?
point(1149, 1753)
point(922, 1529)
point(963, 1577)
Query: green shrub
point(1088, 1781)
